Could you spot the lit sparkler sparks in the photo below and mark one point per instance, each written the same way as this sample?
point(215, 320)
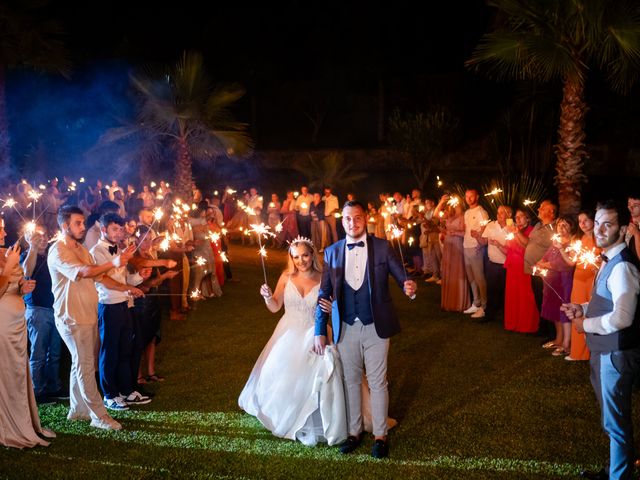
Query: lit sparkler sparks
point(528, 202)
point(223, 256)
point(484, 223)
point(495, 191)
point(58, 236)
point(9, 202)
point(510, 236)
point(453, 201)
point(555, 237)
point(201, 261)
point(195, 294)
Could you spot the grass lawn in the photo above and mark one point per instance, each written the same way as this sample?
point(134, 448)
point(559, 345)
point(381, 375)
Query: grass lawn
point(472, 401)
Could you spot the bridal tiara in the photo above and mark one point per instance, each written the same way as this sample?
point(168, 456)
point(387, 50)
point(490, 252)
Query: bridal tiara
point(300, 239)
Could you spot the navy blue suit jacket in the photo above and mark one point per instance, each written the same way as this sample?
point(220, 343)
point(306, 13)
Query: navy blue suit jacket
point(381, 262)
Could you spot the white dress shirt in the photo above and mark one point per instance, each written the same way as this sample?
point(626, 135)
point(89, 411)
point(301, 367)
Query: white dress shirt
point(355, 262)
point(100, 253)
point(624, 285)
point(494, 231)
point(330, 204)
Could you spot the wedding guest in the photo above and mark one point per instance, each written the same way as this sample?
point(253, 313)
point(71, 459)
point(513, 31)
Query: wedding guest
point(148, 197)
point(474, 217)
point(494, 235)
point(583, 279)
point(45, 340)
point(289, 222)
point(331, 207)
point(19, 420)
point(455, 289)
point(273, 215)
point(218, 217)
point(118, 198)
point(430, 242)
point(372, 213)
point(520, 311)
point(632, 236)
point(610, 320)
point(130, 229)
point(196, 194)
point(73, 272)
point(116, 288)
point(539, 242)
point(318, 235)
point(202, 277)
point(303, 204)
point(557, 285)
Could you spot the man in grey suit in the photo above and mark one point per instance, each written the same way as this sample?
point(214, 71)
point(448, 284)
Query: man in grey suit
point(356, 279)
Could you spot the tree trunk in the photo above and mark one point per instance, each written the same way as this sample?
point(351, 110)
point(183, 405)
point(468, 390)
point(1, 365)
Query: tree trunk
point(184, 175)
point(570, 151)
point(5, 145)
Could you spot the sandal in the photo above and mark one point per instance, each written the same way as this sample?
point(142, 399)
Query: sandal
point(550, 344)
point(559, 352)
point(154, 378)
point(142, 380)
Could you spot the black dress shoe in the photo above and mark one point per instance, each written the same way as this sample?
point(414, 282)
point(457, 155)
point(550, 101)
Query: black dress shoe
point(350, 444)
point(601, 475)
point(380, 449)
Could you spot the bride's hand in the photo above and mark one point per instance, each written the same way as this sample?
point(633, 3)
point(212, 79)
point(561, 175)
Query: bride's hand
point(265, 291)
point(325, 305)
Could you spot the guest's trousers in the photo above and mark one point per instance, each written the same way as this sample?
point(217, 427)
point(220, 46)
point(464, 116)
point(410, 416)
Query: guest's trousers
point(362, 350)
point(496, 277)
point(318, 236)
point(332, 232)
point(612, 376)
point(474, 267)
point(116, 336)
point(46, 344)
point(82, 342)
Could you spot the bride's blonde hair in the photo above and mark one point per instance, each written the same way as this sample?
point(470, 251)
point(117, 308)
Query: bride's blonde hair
point(308, 244)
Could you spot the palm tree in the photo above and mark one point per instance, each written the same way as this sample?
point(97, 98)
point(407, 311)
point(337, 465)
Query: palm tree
point(563, 40)
point(183, 111)
point(26, 41)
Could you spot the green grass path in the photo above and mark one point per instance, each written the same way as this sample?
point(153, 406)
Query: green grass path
point(472, 401)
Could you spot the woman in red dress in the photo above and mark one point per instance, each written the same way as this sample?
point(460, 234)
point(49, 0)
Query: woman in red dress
point(520, 310)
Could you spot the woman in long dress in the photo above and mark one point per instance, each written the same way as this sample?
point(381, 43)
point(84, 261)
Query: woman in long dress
point(19, 420)
point(295, 393)
point(455, 288)
point(583, 278)
point(520, 309)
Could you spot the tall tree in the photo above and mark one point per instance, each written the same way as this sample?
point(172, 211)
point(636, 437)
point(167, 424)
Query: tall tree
point(28, 39)
point(544, 40)
point(182, 109)
point(422, 138)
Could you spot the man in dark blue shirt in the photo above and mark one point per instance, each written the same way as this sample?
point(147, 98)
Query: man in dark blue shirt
point(43, 335)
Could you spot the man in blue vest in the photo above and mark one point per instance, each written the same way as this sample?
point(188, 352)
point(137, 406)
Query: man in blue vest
point(613, 336)
point(356, 279)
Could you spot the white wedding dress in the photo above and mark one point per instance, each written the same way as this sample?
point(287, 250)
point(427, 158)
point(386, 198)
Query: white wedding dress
point(295, 393)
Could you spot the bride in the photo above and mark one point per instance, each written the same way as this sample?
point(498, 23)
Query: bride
point(295, 393)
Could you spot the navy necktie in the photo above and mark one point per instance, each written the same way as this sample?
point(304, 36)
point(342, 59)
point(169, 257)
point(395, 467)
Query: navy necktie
point(350, 246)
point(113, 249)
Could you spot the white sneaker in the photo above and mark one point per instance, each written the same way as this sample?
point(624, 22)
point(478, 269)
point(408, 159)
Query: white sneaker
point(479, 313)
point(116, 403)
point(136, 398)
point(106, 423)
point(77, 416)
point(472, 309)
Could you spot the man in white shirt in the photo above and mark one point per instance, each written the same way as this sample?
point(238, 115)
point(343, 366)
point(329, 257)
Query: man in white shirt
point(303, 206)
point(93, 231)
point(611, 323)
point(116, 290)
point(331, 207)
point(474, 220)
point(495, 235)
point(73, 272)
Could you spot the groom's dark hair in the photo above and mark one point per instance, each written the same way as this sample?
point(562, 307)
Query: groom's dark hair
point(355, 203)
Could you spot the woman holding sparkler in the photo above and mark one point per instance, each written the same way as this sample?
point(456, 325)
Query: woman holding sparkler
point(295, 393)
point(19, 421)
point(520, 310)
point(455, 288)
point(558, 281)
point(583, 279)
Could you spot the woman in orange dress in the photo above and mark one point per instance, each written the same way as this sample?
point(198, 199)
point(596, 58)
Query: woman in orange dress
point(583, 279)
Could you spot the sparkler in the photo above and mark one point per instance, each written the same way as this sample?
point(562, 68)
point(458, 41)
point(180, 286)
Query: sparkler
point(223, 256)
point(396, 233)
point(510, 236)
point(453, 201)
point(495, 191)
point(260, 229)
point(201, 261)
point(439, 182)
point(484, 223)
point(542, 273)
point(555, 237)
point(528, 202)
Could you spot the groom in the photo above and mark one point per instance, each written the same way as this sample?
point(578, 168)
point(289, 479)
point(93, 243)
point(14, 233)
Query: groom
point(356, 278)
